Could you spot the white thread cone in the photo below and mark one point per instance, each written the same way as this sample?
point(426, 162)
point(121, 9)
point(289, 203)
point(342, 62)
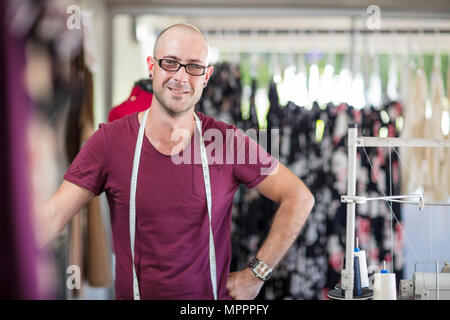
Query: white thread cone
point(363, 268)
point(384, 287)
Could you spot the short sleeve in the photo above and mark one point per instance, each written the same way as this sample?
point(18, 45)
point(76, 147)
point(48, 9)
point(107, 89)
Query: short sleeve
point(88, 169)
point(252, 162)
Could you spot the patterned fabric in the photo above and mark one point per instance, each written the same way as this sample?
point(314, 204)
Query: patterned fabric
point(313, 145)
point(221, 99)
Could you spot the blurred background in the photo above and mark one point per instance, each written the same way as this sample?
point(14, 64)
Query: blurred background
point(305, 68)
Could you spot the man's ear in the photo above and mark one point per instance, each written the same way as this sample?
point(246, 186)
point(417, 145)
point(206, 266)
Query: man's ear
point(208, 73)
point(151, 64)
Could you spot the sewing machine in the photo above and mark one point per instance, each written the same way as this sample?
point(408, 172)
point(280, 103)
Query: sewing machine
point(423, 285)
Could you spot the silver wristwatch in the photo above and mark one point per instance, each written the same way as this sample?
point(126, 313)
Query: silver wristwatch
point(260, 269)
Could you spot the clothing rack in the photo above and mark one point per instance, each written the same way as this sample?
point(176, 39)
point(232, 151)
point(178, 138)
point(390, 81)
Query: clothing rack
point(352, 39)
point(298, 32)
point(218, 10)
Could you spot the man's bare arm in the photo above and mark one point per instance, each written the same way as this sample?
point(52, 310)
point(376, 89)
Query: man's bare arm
point(54, 215)
point(296, 202)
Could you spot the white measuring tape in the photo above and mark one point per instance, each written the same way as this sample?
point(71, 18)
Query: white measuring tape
point(134, 175)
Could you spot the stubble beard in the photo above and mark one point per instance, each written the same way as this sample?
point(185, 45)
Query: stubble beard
point(170, 111)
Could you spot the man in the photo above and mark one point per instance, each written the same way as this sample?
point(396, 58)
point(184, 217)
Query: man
point(177, 245)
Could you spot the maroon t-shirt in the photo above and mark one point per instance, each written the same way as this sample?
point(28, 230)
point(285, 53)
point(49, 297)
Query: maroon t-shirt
point(172, 225)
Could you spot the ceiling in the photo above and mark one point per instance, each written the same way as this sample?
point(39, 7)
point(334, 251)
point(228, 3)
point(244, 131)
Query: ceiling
point(386, 6)
point(219, 19)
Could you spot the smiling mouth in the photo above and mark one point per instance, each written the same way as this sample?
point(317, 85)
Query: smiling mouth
point(177, 92)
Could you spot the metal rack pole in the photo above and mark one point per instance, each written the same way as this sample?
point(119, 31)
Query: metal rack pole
point(348, 273)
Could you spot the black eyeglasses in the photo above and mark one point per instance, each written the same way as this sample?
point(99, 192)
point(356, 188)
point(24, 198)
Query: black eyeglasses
point(173, 66)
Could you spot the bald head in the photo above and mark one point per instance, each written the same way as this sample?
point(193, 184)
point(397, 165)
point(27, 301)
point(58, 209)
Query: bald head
point(173, 32)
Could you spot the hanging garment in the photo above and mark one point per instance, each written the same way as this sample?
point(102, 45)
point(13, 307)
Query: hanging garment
point(343, 87)
point(419, 119)
point(139, 100)
point(358, 99)
point(98, 253)
point(392, 85)
point(418, 116)
point(49, 87)
point(374, 95)
point(313, 84)
point(19, 254)
point(221, 98)
point(98, 261)
point(80, 110)
point(87, 233)
point(301, 82)
point(414, 126)
point(95, 237)
point(407, 97)
point(447, 122)
point(436, 189)
point(326, 85)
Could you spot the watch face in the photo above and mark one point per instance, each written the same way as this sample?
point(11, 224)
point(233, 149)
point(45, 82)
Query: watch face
point(262, 270)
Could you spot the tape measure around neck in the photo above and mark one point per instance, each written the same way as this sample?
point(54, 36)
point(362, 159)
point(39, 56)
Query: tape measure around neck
point(207, 183)
point(133, 187)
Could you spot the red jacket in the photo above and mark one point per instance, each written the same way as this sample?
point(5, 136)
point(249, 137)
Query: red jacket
point(139, 100)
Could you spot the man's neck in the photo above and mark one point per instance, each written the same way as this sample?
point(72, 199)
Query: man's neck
point(163, 125)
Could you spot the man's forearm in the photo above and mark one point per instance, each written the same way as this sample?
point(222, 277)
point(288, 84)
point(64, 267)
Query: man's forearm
point(286, 226)
point(54, 215)
point(46, 225)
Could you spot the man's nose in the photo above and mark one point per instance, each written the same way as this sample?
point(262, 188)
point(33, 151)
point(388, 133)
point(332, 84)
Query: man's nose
point(181, 75)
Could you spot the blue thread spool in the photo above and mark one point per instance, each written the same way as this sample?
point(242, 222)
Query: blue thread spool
point(357, 290)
